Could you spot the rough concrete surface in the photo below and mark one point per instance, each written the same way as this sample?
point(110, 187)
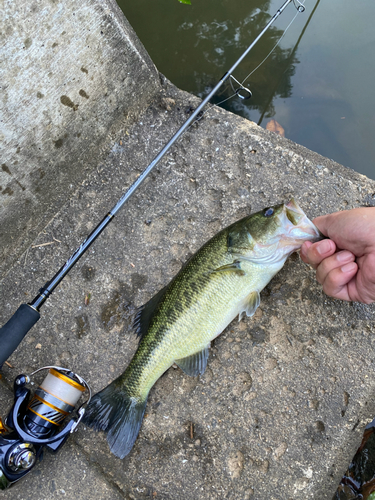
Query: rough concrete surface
point(69, 72)
point(282, 406)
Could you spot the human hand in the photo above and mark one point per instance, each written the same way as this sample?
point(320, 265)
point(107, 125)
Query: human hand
point(345, 263)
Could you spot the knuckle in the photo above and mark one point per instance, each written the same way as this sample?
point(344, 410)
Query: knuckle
point(328, 289)
point(369, 300)
point(321, 277)
point(334, 282)
point(314, 256)
point(322, 272)
point(370, 275)
point(331, 290)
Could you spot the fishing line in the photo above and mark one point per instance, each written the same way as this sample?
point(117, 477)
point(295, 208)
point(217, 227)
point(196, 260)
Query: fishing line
point(290, 58)
point(300, 7)
point(278, 42)
point(247, 92)
point(12, 333)
point(237, 91)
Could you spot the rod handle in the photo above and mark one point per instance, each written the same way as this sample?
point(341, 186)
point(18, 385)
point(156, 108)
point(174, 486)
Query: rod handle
point(12, 333)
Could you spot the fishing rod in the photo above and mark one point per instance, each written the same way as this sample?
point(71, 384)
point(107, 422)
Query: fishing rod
point(12, 333)
point(34, 423)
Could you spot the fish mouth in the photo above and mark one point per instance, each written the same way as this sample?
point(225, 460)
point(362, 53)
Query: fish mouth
point(298, 227)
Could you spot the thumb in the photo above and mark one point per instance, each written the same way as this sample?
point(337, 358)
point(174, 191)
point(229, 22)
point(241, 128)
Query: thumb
point(323, 222)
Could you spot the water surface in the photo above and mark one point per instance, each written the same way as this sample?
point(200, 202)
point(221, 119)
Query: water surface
point(317, 84)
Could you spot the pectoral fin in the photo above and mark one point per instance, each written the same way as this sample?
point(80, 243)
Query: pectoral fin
point(250, 305)
point(195, 364)
point(233, 267)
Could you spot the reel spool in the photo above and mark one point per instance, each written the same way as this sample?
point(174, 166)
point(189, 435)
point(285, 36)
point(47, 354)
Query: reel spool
point(37, 422)
point(55, 399)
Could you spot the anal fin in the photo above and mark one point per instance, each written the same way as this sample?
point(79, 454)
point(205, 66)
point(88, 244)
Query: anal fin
point(195, 364)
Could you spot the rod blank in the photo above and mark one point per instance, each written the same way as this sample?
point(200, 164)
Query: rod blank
point(12, 333)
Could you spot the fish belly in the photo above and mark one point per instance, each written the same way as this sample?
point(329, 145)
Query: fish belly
point(196, 326)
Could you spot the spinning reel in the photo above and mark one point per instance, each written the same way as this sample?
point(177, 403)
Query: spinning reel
point(34, 422)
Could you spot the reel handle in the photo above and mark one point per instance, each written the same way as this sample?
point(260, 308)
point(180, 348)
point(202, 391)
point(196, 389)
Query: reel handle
point(12, 333)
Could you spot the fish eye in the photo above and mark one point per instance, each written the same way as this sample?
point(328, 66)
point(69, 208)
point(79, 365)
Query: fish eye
point(268, 212)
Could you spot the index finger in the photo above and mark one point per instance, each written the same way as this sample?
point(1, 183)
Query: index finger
point(352, 230)
point(314, 253)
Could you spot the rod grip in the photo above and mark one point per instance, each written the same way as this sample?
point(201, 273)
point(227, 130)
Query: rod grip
point(12, 333)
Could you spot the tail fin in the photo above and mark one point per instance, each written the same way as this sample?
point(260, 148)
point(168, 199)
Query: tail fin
point(112, 410)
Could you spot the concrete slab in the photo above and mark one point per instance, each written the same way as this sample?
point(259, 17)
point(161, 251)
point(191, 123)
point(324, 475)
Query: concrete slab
point(286, 395)
point(69, 72)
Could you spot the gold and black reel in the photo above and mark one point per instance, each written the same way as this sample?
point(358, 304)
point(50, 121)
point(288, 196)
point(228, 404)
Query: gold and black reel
point(54, 399)
point(36, 421)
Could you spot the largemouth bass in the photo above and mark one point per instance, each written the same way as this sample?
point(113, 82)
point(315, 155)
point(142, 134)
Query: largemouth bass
point(222, 280)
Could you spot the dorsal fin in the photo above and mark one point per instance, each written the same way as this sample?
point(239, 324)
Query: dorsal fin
point(195, 364)
point(145, 313)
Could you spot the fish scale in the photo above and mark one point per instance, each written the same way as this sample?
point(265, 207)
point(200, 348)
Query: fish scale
point(199, 321)
point(222, 280)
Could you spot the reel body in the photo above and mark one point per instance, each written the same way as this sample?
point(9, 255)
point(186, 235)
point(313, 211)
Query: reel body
point(35, 421)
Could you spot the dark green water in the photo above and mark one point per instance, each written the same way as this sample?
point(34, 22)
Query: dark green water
point(318, 84)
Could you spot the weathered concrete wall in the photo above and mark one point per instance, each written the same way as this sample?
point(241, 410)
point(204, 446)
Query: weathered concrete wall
point(286, 395)
point(69, 72)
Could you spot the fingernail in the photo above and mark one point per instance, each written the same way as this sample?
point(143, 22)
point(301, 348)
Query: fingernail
point(343, 256)
point(348, 268)
point(324, 247)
